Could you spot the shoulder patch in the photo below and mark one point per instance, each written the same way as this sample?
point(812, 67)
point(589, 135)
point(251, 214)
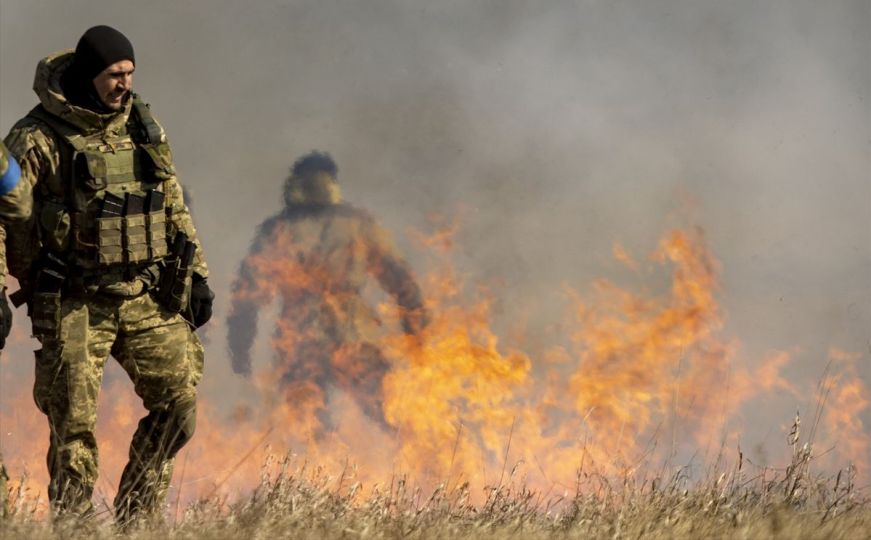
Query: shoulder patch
point(10, 177)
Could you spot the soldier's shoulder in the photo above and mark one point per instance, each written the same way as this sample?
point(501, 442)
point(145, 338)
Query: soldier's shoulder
point(38, 119)
point(346, 210)
point(29, 132)
point(267, 231)
point(146, 118)
point(271, 224)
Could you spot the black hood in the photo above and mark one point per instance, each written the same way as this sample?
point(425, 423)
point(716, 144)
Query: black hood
point(98, 48)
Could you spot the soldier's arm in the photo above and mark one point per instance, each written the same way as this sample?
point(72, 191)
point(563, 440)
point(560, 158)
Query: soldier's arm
point(3, 269)
point(395, 277)
point(249, 295)
point(10, 174)
point(31, 151)
point(37, 155)
point(179, 213)
point(180, 217)
point(242, 321)
point(15, 191)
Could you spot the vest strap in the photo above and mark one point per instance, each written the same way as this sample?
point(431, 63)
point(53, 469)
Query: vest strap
point(152, 129)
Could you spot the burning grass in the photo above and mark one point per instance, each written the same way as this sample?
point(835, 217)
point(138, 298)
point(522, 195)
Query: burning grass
point(482, 441)
point(299, 500)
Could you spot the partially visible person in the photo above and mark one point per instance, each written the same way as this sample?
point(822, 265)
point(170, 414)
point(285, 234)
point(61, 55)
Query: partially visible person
point(10, 190)
point(10, 174)
point(316, 255)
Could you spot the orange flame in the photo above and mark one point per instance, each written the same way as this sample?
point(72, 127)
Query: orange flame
point(639, 378)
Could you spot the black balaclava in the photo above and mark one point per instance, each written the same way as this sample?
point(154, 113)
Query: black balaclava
point(98, 48)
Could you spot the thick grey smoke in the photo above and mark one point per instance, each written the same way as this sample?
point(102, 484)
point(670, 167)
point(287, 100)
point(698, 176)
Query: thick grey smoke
point(559, 127)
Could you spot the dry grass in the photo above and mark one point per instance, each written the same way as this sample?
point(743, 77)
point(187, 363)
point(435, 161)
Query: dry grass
point(298, 502)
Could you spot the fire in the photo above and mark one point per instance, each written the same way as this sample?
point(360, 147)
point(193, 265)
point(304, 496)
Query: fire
point(639, 379)
point(458, 381)
point(643, 360)
point(843, 397)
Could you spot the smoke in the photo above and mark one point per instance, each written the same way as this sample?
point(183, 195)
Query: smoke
point(553, 128)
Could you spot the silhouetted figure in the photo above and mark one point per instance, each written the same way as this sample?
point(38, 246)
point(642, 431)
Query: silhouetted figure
point(316, 255)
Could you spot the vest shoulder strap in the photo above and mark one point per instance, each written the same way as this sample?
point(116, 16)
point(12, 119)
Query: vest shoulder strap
point(143, 114)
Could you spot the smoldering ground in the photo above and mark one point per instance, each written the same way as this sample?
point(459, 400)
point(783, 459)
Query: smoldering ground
point(557, 127)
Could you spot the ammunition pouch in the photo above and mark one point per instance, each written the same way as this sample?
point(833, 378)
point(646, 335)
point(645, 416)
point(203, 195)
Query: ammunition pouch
point(134, 235)
point(110, 236)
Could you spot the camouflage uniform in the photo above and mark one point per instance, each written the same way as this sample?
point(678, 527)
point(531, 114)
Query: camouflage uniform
point(3, 496)
point(15, 201)
point(71, 158)
point(317, 255)
point(10, 188)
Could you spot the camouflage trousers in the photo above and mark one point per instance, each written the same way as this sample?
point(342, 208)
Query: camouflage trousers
point(162, 357)
point(3, 478)
point(310, 366)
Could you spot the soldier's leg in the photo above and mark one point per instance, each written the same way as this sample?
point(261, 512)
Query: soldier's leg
point(164, 359)
point(360, 369)
point(69, 371)
point(3, 478)
point(304, 377)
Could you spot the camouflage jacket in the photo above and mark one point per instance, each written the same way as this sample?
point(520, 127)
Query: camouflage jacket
point(317, 259)
point(15, 200)
point(37, 147)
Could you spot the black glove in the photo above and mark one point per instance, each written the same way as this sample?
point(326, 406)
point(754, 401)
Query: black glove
point(5, 319)
point(414, 321)
point(201, 301)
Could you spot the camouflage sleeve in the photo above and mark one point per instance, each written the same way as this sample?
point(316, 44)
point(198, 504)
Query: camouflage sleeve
point(180, 216)
point(15, 194)
point(37, 156)
point(31, 151)
point(10, 174)
point(242, 322)
point(248, 296)
point(395, 276)
point(2, 256)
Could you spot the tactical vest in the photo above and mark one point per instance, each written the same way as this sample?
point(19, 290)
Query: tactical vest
point(112, 213)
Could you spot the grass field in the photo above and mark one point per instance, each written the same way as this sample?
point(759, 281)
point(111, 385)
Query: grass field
point(295, 501)
point(591, 440)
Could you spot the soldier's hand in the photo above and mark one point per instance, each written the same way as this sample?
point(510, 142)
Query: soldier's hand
point(415, 321)
point(5, 318)
point(201, 301)
point(241, 365)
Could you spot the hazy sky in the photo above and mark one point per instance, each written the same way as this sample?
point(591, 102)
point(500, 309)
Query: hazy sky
point(559, 127)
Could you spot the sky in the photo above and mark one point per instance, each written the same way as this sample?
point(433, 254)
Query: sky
point(548, 130)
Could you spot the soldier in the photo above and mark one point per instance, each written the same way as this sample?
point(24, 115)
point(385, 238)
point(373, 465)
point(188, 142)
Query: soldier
point(101, 277)
point(10, 187)
point(317, 254)
point(10, 174)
